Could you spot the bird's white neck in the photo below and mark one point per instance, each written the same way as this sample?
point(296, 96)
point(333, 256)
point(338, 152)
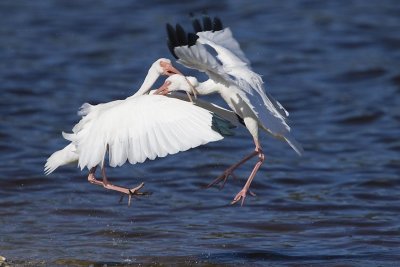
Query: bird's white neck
point(208, 87)
point(148, 82)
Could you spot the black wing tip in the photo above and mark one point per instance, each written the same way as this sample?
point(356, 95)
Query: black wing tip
point(171, 34)
point(195, 23)
point(178, 37)
point(171, 48)
point(217, 24)
point(192, 38)
point(206, 23)
point(172, 40)
point(181, 35)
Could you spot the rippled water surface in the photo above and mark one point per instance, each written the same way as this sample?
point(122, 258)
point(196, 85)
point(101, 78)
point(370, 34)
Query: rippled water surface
point(334, 65)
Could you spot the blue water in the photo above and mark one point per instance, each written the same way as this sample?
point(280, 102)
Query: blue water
point(334, 65)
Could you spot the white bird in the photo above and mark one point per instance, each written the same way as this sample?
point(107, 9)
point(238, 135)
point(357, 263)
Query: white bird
point(135, 129)
point(213, 50)
point(161, 66)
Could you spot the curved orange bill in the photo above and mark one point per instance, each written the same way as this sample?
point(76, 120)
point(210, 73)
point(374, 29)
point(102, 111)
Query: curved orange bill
point(171, 70)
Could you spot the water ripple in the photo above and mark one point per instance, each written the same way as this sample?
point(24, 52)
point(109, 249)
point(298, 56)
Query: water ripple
point(334, 65)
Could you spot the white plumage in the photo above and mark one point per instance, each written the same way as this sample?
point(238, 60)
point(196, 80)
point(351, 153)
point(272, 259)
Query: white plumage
point(140, 128)
point(213, 50)
point(232, 71)
point(137, 128)
point(61, 157)
point(69, 154)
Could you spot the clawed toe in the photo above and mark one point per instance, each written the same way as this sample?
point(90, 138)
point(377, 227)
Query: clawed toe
point(237, 199)
point(217, 182)
point(220, 181)
point(135, 192)
point(240, 196)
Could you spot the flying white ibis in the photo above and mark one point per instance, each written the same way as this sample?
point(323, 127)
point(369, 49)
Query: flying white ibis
point(213, 50)
point(160, 67)
point(135, 129)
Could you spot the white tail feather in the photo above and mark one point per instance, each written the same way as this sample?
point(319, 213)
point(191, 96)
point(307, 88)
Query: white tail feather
point(61, 157)
point(294, 144)
point(84, 109)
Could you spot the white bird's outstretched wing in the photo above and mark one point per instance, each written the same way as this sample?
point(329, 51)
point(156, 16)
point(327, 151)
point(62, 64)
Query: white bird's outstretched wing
point(141, 128)
point(197, 57)
point(229, 66)
point(272, 115)
point(237, 66)
point(224, 39)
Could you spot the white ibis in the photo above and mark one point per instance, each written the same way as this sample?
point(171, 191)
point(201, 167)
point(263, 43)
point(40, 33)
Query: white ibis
point(135, 129)
point(213, 50)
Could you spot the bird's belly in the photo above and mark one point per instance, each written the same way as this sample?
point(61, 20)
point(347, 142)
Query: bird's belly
point(235, 101)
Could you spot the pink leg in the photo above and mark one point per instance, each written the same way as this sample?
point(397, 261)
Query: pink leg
point(130, 192)
point(92, 179)
point(224, 176)
point(242, 194)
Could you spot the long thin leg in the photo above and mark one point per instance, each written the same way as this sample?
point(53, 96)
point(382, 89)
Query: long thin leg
point(110, 186)
point(106, 184)
point(242, 194)
point(92, 179)
point(224, 176)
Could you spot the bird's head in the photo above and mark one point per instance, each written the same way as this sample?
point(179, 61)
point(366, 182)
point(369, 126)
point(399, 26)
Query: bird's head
point(164, 67)
point(178, 83)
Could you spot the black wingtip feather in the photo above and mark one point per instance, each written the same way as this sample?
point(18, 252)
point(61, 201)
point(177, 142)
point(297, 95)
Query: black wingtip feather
point(171, 35)
point(171, 49)
point(181, 35)
point(207, 24)
point(177, 35)
point(217, 24)
point(172, 41)
point(192, 38)
point(196, 25)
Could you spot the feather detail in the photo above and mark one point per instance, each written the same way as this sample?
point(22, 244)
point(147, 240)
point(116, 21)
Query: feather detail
point(140, 128)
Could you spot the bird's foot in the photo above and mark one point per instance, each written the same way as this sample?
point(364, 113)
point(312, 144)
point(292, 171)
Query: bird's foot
point(135, 192)
point(221, 180)
point(241, 196)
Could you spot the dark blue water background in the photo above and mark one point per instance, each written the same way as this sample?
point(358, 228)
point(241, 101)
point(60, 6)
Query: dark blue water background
point(335, 65)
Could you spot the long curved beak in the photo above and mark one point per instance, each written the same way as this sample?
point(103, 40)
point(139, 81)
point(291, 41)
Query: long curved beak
point(194, 91)
point(163, 90)
point(170, 70)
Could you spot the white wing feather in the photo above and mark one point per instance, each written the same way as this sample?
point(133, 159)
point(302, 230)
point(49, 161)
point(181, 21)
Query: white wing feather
point(197, 57)
point(232, 68)
point(224, 38)
point(61, 157)
point(140, 128)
